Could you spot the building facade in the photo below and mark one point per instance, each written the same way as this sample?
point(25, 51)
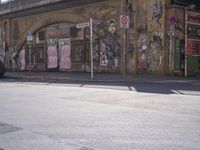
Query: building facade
point(54, 35)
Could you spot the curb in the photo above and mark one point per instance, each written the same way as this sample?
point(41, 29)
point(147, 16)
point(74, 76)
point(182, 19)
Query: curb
point(136, 80)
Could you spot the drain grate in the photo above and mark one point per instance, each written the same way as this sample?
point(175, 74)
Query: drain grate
point(5, 128)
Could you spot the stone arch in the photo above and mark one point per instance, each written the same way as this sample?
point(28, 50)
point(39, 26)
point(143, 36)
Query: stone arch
point(71, 18)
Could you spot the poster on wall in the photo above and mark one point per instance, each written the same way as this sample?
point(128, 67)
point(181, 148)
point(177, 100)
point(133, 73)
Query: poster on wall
point(22, 61)
point(193, 34)
point(65, 52)
point(52, 56)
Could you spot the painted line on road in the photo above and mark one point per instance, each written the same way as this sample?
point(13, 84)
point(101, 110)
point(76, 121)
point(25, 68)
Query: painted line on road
point(177, 92)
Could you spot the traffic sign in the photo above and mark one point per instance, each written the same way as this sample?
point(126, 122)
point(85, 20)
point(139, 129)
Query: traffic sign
point(29, 36)
point(124, 21)
point(172, 20)
point(83, 25)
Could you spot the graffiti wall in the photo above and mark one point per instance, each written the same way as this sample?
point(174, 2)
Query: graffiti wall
point(109, 50)
point(52, 56)
point(67, 46)
point(64, 53)
point(156, 35)
point(150, 30)
point(21, 61)
point(155, 52)
point(143, 50)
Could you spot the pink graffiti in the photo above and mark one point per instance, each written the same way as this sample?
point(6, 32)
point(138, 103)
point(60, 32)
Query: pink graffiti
point(52, 57)
point(22, 60)
point(65, 60)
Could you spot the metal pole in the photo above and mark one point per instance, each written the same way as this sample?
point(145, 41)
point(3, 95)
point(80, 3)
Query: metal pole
point(186, 67)
point(29, 55)
point(170, 48)
point(124, 54)
point(91, 48)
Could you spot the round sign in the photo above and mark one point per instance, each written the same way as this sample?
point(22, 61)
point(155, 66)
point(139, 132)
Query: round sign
point(172, 20)
point(124, 20)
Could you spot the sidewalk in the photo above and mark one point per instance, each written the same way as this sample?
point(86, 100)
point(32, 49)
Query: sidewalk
point(98, 77)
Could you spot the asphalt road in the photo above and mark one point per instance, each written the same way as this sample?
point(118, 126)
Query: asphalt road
point(85, 116)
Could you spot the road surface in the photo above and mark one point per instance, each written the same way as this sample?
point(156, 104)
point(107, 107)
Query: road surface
point(82, 116)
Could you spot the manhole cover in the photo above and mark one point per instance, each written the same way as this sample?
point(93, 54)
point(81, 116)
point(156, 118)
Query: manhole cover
point(4, 128)
point(85, 148)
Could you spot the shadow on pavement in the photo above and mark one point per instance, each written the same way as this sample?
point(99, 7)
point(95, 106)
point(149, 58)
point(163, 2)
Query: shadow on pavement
point(168, 88)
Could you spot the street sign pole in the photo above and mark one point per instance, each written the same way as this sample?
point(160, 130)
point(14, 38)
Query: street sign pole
point(124, 24)
point(186, 67)
point(29, 55)
point(124, 55)
point(91, 48)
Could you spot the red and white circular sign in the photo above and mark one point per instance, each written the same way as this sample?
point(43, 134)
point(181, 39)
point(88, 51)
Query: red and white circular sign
point(124, 21)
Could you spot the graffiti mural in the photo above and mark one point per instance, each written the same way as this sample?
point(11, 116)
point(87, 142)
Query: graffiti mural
point(21, 61)
point(157, 11)
point(103, 55)
point(112, 26)
point(96, 54)
point(52, 55)
point(80, 34)
point(65, 51)
point(155, 57)
point(78, 52)
point(143, 49)
point(109, 50)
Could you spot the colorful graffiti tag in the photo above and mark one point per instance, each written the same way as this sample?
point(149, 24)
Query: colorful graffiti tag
point(155, 57)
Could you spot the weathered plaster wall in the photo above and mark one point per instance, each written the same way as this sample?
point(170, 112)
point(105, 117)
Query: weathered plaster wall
point(145, 52)
point(150, 23)
point(103, 11)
